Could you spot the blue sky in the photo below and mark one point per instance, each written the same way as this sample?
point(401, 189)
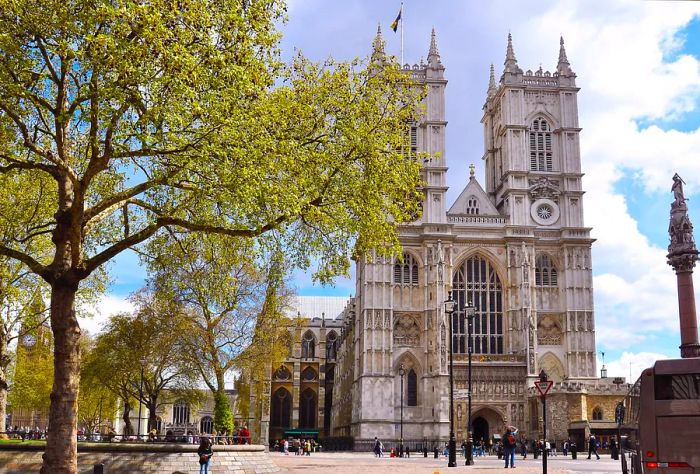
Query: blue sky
point(639, 72)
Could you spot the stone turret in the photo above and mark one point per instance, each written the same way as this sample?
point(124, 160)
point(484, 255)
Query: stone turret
point(511, 72)
point(433, 54)
point(492, 83)
point(378, 44)
point(682, 255)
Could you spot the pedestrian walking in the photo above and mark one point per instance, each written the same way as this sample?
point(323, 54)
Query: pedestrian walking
point(614, 449)
point(205, 452)
point(509, 448)
point(592, 447)
point(523, 448)
point(377, 448)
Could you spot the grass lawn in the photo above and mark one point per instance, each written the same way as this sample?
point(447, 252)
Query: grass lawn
point(19, 441)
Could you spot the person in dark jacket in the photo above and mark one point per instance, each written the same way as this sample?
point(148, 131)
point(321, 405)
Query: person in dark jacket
point(205, 452)
point(509, 448)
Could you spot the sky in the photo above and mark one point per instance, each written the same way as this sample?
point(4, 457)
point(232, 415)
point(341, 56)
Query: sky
point(638, 67)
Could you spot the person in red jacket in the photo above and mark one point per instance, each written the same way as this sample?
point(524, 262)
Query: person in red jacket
point(244, 435)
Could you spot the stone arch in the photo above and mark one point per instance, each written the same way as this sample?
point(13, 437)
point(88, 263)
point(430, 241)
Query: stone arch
point(552, 366)
point(542, 112)
point(493, 420)
point(488, 254)
point(410, 363)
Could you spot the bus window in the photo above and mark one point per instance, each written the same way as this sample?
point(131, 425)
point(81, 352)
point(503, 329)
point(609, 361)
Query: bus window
point(677, 387)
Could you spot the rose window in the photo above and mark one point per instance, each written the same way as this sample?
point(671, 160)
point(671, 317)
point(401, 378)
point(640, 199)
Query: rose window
point(544, 212)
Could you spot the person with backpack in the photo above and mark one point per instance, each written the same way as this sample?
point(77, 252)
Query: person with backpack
point(509, 448)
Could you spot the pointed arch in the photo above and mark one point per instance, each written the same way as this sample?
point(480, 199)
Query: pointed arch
point(406, 269)
point(476, 281)
point(308, 401)
point(597, 414)
point(412, 388)
point(308, 345)
point(331, 345)
point(540, 140)
point(552, 366)
point(281, 408)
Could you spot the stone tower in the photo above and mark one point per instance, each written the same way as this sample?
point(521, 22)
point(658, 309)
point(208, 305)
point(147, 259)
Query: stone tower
point(533, 177)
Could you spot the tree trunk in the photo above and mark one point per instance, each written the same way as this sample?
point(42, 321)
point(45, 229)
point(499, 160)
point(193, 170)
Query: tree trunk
point(152, 415)
point(4, 364)
point(126, 416)
point(61, 456)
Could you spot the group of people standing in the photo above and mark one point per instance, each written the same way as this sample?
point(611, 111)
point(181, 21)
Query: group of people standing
point(298, 446)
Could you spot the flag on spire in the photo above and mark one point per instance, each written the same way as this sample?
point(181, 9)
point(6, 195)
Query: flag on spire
point(395, 24)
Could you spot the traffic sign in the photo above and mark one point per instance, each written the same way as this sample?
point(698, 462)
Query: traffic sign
point(543, 386)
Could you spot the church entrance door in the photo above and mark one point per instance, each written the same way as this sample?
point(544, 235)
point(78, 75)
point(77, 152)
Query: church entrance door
point(481, 430)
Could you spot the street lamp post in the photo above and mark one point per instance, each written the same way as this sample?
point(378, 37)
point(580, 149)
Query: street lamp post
point(543, 378)
point(449, 309)
point(470, 312)
point(402, 372)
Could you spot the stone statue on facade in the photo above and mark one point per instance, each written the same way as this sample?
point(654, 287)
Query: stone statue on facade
point(677, 189)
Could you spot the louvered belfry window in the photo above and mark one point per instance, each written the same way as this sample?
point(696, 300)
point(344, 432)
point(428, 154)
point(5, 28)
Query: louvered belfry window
point(406, 271)
point(541, 146)
point(545, 271)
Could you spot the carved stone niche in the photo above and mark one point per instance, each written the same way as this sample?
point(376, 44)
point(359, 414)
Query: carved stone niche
point(406, 330)
point(544, 188)
point(549, 332)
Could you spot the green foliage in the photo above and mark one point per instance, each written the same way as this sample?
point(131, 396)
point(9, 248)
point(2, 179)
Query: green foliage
point(33, 377)
point(223, 416)
point(97, 404)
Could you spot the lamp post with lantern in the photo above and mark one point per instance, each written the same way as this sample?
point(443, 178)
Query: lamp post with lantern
point(402, 372)
point(470, 312)
point(452, 446)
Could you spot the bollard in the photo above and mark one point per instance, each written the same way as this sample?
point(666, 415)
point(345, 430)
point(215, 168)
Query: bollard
point(425, 451)
point(435, 452)
point(99, 469)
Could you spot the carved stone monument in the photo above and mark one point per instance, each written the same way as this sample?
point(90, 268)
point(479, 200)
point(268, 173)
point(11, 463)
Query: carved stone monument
point(682, 255)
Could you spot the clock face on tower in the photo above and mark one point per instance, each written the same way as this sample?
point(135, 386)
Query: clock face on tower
point(29, 340)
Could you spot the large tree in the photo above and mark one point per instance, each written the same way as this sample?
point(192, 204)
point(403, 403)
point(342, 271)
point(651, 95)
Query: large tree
point(145, 115)
point(222, 286)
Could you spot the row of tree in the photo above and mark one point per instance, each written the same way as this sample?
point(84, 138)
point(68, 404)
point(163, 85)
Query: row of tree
point(125, 123)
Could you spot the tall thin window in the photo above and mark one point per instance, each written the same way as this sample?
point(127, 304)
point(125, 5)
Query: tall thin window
point(331, 349)
point(308, 346)
point(540, 145)
point(406, 271)
point(307, 409)
point(477, 282)
point(545, 271)
point(206, 425)
point(281, 408)
point(181, 413)
point(413, 137)
point(412, 389)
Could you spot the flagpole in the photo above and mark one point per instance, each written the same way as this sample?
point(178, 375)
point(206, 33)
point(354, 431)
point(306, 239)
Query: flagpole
point(403, 19)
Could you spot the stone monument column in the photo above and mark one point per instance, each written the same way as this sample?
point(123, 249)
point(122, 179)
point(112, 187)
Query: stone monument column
point(682, 255)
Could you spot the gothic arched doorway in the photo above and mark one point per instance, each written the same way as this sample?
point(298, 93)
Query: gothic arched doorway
point(481, 430)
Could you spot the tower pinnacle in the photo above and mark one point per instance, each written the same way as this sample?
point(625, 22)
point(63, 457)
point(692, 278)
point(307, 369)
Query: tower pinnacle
point(378, 43)
point(511, 64)
point(433, 54)
point(563, 66)
point(492, 82)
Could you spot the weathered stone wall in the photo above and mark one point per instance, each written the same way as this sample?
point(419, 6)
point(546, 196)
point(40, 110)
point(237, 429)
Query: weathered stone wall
point(152, 459)
point(606, 402)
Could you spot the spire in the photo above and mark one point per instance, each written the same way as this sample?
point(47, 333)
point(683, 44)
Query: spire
point(492, 82)
point(563, 67)
point(511, 64)
point(378, 43)
point(433, 54)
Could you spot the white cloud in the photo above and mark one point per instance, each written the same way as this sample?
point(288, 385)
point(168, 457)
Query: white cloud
point(98, 313)
point(631, 363)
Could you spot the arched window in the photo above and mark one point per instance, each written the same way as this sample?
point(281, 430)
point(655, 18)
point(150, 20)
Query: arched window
point(412, 389)
point(308, 346)
point(282, 374)
point(206, 425)
point(406, 271)
point(545, 271)
point(331, 348)
point(597, 414)
point(308, 374)
point(181, 413)
point(307, 409)
point(476, 281)
point(540, 145)
point(472, 205)
point(281, 408)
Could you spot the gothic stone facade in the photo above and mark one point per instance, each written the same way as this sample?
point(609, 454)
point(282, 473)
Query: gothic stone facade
point(516, 249)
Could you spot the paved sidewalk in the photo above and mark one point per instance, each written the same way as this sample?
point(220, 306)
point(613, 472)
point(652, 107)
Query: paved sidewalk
point(366, 463)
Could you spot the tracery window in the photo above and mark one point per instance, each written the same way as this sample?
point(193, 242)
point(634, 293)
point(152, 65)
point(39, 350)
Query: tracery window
point(282, 374)
point(597, 414)
point(281, 408)
point(406, 271)
point(206, 425)
point(181, 413)
point(412, 389)
point(476, 281)
point(331, 346)
point(308, 374)
point(307, 408)
point(308, 346)
point(545, 271)
point(540, 145)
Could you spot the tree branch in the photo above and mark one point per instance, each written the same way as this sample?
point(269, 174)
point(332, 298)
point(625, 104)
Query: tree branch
point(34, 265)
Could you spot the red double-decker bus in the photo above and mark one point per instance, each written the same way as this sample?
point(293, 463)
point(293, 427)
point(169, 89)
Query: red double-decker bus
point(659, 420)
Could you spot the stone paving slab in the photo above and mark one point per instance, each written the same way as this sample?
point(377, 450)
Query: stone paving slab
point(366, 463)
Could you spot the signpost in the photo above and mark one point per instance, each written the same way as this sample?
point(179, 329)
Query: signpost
point(544, 386)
